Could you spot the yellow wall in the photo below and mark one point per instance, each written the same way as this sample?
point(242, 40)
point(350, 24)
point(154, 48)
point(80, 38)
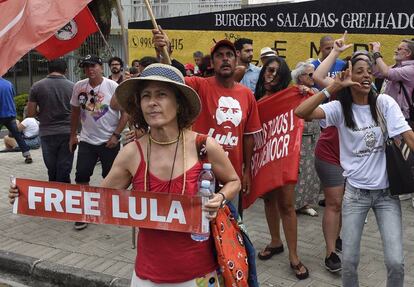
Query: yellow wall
point(294, 46)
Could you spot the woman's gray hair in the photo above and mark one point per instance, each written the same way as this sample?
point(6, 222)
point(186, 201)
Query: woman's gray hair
point(300, 70)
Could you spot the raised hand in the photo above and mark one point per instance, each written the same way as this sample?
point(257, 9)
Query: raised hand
point(375, 46)
point(340, 44)
point(344, 79)
point(159, 38)
point(303, 90)
point(13, 193)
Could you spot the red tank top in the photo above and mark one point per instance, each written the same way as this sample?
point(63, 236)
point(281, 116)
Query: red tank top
point(327, 147)
point(167, 256)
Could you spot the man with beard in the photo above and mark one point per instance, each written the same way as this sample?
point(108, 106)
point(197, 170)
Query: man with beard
point(116, 65)
point(229, 111)
point(244, 51)
point(398, 82)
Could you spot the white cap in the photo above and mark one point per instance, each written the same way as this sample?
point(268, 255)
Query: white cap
point(267, 52)
point(207, 165)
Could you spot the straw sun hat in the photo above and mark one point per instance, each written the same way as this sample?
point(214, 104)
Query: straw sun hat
point(131, 88)
point(267, 52)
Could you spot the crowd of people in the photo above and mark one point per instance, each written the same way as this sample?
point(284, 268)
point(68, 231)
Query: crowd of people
point(167, 108)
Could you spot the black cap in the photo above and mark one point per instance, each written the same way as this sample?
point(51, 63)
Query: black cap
point(90, 59)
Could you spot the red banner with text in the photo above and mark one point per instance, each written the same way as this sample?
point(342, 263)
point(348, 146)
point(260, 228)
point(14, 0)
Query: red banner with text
point(276, 154)
point(72, 202)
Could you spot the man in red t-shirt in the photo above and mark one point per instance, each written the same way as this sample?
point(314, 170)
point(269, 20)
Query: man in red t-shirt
point(229, 110)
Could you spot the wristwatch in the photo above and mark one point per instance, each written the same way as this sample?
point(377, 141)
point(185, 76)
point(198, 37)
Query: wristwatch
point(376, 55)
point(118, 136)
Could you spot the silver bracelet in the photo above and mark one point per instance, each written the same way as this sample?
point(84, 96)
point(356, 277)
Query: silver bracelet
point(326, 93)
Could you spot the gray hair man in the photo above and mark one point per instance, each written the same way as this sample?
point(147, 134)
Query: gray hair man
point(399, 82)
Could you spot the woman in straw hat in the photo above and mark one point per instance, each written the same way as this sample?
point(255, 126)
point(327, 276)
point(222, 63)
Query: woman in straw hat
point(165, 160)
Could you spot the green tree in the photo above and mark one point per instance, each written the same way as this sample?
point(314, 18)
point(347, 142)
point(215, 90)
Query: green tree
point(94, 44)
point(102, 11)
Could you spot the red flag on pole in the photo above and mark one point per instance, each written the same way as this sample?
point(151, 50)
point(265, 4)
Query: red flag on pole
point(70, 36)
point(24, 24)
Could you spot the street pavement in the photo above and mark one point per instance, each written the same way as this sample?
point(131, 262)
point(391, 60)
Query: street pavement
point(107, 250)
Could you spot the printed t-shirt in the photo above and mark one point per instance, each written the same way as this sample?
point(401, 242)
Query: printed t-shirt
point(168, 256)
point(31, 127)
point(99, 121)
point(336, 67)
point(226, 115)
point(362, 148)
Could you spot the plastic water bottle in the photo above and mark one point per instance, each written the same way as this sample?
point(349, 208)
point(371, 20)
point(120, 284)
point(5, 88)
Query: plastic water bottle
point(204, 192)
point(207, 174)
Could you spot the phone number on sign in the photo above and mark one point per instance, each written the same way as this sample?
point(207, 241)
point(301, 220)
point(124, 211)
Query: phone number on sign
point(146, 42)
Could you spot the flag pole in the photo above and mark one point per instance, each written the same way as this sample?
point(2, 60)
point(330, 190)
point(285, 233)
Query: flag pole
point(103, 37)
point(123, 31)
point(164, 51)
point(104, 40)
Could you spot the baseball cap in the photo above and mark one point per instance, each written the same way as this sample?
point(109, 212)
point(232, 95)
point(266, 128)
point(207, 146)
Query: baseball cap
point(90, 59)
point(267, 52)
point(223, 43)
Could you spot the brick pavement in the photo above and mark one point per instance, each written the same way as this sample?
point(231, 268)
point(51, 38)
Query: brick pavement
point(107, 249)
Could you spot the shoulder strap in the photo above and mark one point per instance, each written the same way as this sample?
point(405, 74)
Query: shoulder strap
point(139, 149)
point(382, 121)
point(407, 98)
point(201, 141)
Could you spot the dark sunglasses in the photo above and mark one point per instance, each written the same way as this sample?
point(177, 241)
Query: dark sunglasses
point(92, 100)
point(271, 70)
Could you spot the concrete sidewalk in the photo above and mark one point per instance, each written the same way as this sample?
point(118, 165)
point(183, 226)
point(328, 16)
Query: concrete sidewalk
point(101, 255)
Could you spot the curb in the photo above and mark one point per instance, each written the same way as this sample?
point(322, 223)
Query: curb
point(57, 274)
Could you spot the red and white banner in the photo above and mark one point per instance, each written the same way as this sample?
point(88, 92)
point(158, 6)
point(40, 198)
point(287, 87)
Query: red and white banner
point(276, 155)
point(24, 24)
point(70, 36)
point(72, 202)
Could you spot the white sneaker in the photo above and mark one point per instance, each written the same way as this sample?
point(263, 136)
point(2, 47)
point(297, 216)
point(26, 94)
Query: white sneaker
point(405, 196)
point(308, 211)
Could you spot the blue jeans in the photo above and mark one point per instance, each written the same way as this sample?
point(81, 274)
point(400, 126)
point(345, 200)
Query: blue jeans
point(11, 125)
point(57, 157)
point(387, 209)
